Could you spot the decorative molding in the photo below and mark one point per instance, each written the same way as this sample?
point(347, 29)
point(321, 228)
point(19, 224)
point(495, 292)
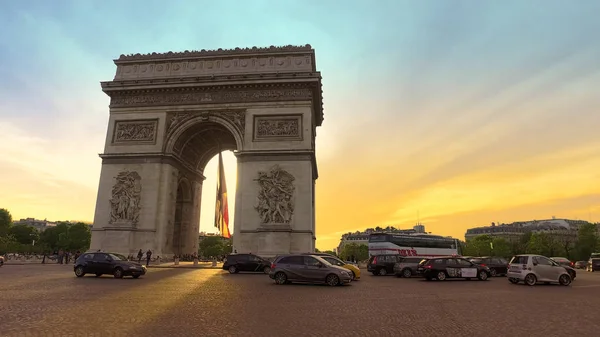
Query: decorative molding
point(237, 117)
point(197, 96)
point(135, 131)
point(277, 127)
point(275, 200)
point(148, 158)
point(217, 52)
point(125, 201)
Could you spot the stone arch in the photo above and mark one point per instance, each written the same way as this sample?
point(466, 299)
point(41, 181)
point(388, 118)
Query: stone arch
point(206, 134)
point(181, 219)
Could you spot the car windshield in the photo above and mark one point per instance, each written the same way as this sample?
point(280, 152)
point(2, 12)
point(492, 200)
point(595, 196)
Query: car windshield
point(117, 257)
point(322, 260)
point(476, 260)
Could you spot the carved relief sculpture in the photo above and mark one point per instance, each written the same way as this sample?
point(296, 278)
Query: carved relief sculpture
point(273, 127)
point(125, 202)
point(135, 131)
point(275, 202)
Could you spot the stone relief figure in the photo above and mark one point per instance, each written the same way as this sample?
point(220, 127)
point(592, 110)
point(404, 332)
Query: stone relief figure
point(135, 131)
point(125, 201)
point(275, 201)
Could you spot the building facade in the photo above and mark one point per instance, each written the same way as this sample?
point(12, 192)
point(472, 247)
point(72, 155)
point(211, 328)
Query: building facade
point(560, 227)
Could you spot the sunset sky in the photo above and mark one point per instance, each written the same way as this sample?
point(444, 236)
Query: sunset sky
point(464, 112)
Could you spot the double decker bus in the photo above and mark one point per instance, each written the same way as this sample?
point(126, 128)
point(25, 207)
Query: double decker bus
point(421, 245)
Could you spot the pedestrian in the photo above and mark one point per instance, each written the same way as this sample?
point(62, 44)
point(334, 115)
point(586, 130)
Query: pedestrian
point(148, 256)
point(140, 255)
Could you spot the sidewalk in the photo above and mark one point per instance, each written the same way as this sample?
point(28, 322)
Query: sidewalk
point(185, 264)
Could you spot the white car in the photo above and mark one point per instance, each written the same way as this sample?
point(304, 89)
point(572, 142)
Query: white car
point(532, 269)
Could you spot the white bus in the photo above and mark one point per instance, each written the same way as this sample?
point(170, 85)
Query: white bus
point(421, 245)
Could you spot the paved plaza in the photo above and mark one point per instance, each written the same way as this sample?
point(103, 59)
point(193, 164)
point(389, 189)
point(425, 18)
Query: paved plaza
point(48, 300)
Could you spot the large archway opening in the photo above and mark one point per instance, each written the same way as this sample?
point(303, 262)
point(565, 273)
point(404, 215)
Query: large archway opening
point(197, 146)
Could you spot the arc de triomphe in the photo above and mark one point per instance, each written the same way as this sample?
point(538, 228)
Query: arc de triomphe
point(171, 113)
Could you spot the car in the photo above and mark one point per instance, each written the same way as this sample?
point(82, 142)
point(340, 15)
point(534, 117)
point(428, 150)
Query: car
point(235, 263)
point(567, 264)
point(445, 267)
point(580, 264)
point(531, 269)
point(1, 261)
point(303, 268)
point(102, 263)
point(337, 262)
point(593, 264)
point(407, 266)
point(498, 265)
point(383, 264)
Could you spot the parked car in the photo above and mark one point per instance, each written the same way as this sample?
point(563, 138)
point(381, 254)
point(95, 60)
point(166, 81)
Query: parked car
point(498, 265)
point(383, 264)
point(337, 262)
point(443, 268)
point(407, 266)
point(1, 261)
point(532, 269)
point(102, 263)
point(593, 265)
point(580, 264)
point(307, 269)
point(235, 263)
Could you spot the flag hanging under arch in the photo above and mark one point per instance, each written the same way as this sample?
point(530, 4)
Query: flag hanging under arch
point(221, 206)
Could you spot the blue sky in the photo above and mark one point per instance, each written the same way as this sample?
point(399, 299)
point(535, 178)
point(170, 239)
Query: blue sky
point(427, 103)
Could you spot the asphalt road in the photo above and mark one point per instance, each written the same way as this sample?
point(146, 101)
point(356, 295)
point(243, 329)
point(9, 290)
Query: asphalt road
point(50, 301)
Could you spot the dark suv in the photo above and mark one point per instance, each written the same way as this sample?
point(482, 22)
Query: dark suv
point(235, 263)
point(101, 263)
point(383, 264)
point(498, 265)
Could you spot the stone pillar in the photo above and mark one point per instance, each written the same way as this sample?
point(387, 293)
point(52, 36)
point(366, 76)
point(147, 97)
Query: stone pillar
point(274, 220)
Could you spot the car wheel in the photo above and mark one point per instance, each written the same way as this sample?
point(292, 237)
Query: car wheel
point(513, 280)
point(483, 275)
point(118, 273)
point(530, 280)
point(382, 272)
point(280, 278)
point(564, 280)
point(136, 276)
point(332, 280)
point(407, 273)
point(232, 270)
point(266, 269)
point(98, 274)
point(79, 272)
point(441, 276)
point(493, 272)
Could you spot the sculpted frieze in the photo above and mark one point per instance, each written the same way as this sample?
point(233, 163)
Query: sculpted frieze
point(268, 127)
point(275, 200)
point(125, 201)
point(135, 131)
point(202, 97)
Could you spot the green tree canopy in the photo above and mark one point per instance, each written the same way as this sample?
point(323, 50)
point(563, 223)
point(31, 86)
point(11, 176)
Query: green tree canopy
point(24, 234)
point(5, 222)
point(359, 251)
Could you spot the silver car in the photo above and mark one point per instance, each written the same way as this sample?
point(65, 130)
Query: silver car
point(532, 269)
point(307, 269)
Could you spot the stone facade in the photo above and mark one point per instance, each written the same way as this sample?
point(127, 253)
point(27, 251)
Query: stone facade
point(171, 113)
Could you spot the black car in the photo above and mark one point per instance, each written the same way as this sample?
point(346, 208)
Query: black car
point(498, 265)
point(235, 263)
point(442, 268)
point(383, 264)
point(101, 263)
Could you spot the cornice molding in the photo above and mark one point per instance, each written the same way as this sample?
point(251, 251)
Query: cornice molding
point(217, 52)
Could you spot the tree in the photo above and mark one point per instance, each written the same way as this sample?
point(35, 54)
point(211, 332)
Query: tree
point(211, 246)
point(5, 222)
point(24, 234)
point(587, 241)
point(544, 244)
point(360, 252)
point(478, 246)
point(501, 248)
point(79, 237)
